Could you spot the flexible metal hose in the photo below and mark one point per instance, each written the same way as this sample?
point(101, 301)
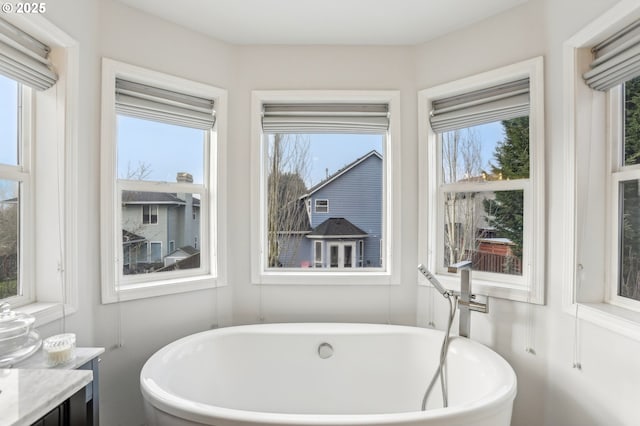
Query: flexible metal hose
point(440, 371)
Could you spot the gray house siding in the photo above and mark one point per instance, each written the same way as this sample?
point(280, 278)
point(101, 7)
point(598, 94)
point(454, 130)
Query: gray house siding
point(294, 251)
point(357, 197)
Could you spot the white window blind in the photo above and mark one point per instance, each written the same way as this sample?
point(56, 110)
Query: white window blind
point(500, 102)
point(25, 59)
point(325, 118)
point(616, 59)
point(166, 106)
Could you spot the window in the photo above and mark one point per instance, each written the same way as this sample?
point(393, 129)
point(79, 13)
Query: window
point(318, 255)
point(159, 144)
point(603, 81)
point(482, 180)
point(322, 206)
point(325, 181)
point(13, 186)
point(149, 214)
point(38, 117)
point(624, 100)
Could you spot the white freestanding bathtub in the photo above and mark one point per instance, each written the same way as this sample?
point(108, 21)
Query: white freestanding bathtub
point(323, 374)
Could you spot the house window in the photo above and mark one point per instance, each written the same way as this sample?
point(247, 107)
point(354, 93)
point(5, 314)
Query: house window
point(160, 136)
point(322, 206)
point(155, 251)
point(172, 246)
point(36, 168)
point(318, 255)
point(319, 151)
point(482, 180)
point(149, 214)
point(602, 108)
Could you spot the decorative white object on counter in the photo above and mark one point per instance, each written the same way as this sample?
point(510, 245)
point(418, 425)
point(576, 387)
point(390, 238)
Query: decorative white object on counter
point(17, 340)
point(59, 349)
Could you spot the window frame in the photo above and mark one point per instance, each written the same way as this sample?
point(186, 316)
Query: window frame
point(530, 287)
point(316, 205)
point(212, 272)
point(151, 215)
point(316, 252)
point(589, 115)
point(52, 287)
point(618, 173)
point(391, 196)
point(22, 175)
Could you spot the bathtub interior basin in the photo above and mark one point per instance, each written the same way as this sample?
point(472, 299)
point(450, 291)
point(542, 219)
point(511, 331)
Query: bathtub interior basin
point(315, 373)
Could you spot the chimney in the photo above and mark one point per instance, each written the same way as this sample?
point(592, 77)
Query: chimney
point(184, 177)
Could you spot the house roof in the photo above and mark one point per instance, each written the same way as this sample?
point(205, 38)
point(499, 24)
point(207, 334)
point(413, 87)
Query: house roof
point(505, 241)
point(130, 237)
point(337, 227)
point(190, 262)
point(189, 250)
point(149, 197)
point(340, 172)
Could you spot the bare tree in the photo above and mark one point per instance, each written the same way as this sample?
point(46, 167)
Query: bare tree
point(461, 161)
point(288, 157)
point(140, 172)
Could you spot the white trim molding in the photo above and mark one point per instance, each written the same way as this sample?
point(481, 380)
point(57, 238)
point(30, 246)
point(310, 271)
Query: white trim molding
point(53, 279)
point(590, 272)
point(212, 270)
point(390, 272)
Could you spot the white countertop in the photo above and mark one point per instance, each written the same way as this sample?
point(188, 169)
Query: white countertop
point(82, 355)
point(28, 394)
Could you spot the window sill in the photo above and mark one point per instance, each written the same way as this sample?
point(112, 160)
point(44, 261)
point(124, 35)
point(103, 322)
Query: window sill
point(325, 278)
point(620, 320)
point(159, 288)
point(46, 312)
point(513, 292)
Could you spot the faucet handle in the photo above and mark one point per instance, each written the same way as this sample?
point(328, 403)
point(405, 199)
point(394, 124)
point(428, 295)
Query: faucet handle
point(463, 264)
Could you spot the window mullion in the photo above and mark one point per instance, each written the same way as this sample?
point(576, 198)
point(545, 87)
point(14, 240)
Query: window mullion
point(488, 186)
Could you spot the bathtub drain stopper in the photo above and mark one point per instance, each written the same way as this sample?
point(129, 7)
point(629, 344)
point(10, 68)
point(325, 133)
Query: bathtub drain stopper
point(325, 350)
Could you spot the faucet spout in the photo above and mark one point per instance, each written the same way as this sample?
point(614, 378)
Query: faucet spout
point(464, 267)
point(467, 301)
point(464, 264)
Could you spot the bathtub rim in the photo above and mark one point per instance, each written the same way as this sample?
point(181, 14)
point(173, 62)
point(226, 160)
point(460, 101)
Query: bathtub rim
point(186, 409)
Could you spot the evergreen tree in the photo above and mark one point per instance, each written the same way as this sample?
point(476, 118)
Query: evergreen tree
point(506, 211)
point(632, 121)
point(630, 273)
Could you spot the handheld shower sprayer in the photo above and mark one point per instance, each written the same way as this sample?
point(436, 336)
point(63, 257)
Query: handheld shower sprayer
point(452, 298)
point(433, 280)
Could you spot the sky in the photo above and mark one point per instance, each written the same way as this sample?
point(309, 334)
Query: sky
point(166, 150)
point(8, 132)
point(330, 152)
point(163, 149)
point(8, 121)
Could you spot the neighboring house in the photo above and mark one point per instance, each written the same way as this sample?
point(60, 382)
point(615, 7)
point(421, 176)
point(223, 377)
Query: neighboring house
point(179, 254)
point(344, 228)
point(156, 225)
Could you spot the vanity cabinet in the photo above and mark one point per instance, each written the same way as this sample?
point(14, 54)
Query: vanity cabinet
point(77, 408)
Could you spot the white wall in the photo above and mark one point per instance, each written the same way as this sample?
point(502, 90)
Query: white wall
point(550, 391)
point(317, 67)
